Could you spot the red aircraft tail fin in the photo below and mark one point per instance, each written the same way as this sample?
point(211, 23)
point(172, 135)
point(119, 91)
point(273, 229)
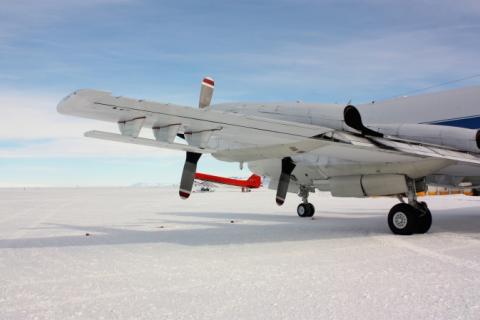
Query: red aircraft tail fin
point(254, 181)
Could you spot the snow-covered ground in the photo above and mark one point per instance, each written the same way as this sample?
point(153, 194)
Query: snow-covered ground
point(230, 255)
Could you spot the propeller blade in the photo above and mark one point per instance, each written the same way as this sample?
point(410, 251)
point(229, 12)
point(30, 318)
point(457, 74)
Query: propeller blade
point(188, 175)
point(206, 92)
point(287, 168)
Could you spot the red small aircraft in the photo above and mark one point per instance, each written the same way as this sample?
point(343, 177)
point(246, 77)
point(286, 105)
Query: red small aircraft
point(253, 182)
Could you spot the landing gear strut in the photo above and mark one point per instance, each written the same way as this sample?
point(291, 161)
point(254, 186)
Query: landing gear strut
point(305, 209)
point(414, 217)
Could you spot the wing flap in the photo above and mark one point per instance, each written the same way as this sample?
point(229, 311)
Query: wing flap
point(237, 155)
point(399, 147)
point(300, 147)
point(144, 142)
point(430, 151)
point(269, 152)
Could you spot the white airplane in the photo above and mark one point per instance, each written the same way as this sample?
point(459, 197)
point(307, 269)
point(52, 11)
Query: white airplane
point(388, 148)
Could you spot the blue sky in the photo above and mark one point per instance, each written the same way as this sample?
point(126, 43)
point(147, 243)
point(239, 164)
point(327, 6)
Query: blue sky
point(318, 51)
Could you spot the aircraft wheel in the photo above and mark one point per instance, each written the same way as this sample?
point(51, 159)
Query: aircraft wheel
point(424, 220)
point(403, 219)
point(312, 209)
point(423, 205)
point(305, 210)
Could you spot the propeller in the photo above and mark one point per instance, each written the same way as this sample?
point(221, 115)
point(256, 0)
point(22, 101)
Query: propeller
point(190, 166)
point(287, 168)
point(188, 175)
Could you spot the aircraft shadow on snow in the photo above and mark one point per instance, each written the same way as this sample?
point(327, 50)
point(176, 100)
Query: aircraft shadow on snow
point(213, 228)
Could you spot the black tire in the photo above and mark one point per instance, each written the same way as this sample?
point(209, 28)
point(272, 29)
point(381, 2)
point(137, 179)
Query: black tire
point(403, 219)
point(305, 210)
point(423, 205)
point(424, 221)
point(475, 192)
point(311, 210)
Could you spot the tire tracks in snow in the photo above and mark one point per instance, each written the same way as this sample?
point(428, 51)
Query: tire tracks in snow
point(410, 245)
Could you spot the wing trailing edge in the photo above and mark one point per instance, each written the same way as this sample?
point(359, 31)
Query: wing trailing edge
point(102, 135)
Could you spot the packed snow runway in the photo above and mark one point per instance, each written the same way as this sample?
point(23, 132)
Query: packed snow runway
point(142, 253)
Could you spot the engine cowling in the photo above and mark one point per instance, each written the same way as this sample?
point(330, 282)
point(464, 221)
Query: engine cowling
point(453, 137)
point(368, 185)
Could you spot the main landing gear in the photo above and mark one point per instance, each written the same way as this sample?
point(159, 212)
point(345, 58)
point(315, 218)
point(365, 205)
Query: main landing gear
point(414, 217)
point(305, 209)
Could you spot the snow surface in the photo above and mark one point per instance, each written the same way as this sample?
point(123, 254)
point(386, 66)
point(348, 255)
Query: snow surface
point(150, 255)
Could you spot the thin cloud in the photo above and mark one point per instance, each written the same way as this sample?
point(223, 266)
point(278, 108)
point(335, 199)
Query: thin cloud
point(23, 16)
point(373, 65)
point(34, 128)
point(319, 51)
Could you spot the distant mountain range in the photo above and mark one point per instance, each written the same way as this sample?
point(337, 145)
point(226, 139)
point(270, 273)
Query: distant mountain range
point(151, 185)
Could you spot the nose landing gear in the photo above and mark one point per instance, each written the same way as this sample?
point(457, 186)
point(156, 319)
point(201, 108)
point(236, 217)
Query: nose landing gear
point(305, 209)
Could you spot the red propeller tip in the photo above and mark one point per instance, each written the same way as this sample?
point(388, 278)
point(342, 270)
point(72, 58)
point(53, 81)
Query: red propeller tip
point(208, 81)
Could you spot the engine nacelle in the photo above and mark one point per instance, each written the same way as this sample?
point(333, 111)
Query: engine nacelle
point(453, 137)
point(368, 185)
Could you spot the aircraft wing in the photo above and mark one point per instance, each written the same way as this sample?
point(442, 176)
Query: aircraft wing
point(254, 138)
point(206, 121)
point(238, 137)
